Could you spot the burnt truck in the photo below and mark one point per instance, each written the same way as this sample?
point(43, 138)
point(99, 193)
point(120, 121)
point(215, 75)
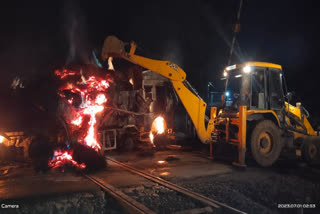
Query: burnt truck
point(136, 105)
point(135, 98)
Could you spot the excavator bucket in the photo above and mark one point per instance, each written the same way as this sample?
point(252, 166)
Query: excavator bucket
point(112, 46)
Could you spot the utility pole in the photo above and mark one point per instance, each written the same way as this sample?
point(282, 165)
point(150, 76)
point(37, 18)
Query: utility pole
point(236, 31)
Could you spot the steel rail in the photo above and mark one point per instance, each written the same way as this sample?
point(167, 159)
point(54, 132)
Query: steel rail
point(129, 204)
point(177, 188)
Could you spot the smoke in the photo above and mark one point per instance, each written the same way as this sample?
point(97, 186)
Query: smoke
point(76, 33)
point(173, 52)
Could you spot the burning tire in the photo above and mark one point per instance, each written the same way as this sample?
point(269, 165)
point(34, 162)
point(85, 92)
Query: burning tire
point(265, 143)
point(311, 149)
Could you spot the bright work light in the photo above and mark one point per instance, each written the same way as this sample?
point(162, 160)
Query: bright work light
point(247, 69)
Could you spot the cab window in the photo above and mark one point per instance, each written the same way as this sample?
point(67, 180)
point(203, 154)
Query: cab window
point(275, 89)
point(258, 89)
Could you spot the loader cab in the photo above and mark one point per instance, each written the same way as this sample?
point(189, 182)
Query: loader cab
point(257, 85)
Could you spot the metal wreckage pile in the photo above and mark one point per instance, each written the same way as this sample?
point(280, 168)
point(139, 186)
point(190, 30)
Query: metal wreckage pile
point(117, 105)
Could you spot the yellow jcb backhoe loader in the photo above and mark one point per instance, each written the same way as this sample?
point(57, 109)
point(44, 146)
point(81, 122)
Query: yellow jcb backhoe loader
point(254, 113)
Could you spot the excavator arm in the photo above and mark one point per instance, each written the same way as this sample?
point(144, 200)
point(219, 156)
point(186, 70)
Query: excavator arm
point(193, 104)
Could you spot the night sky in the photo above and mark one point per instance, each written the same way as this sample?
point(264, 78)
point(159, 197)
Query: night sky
point(38, 36)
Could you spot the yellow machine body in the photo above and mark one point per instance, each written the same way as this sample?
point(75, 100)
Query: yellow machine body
point(196, 107)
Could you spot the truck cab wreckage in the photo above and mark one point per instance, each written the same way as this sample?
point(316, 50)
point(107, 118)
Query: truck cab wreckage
point(255, 112)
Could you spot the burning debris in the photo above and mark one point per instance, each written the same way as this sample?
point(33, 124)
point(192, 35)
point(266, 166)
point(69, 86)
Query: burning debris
point(62, 158)
point(83, 98)
point(94, 116)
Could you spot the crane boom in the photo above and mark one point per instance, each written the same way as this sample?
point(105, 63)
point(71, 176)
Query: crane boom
point(194, 105)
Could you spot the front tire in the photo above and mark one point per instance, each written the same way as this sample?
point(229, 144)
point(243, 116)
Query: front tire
point(266, 144)
point(311, 149)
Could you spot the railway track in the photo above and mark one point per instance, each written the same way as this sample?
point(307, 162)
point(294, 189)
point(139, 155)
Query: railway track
point(131, 205)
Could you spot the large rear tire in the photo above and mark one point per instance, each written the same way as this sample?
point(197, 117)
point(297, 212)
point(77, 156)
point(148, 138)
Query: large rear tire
point(266, 144)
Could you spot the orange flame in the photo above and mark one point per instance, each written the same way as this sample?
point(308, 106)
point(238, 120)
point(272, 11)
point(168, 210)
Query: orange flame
point(100, 99)
point(64, 73)
point(61, 158)
point(92, 103)
point(90, 139)
point(1, 139)
point(70, 101)
point(158, 127)
point(151, 137)
point(77, 121)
